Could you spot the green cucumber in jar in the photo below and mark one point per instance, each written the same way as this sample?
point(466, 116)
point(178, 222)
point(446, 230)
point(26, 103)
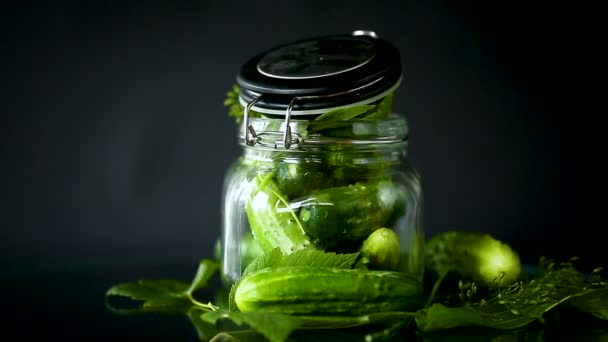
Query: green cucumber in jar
point(348, 213)
point(272, 221)
point(297, 179)
point(312, 290)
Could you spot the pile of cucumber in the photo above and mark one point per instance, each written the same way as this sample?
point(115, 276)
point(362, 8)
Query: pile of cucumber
point(333, 204)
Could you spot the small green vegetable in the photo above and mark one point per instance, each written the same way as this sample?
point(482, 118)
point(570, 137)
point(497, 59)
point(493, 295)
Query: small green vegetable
point(382, 249)
point(298, 179)
point(476, 256)
point(273, 223)
point(320, 290)
point(348, 213)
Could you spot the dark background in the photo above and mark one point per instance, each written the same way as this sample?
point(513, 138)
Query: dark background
point(115, 140)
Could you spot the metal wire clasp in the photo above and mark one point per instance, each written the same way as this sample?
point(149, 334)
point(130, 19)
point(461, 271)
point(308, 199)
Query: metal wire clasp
point(249, 134)
point(287, 136)
point(252, 138)
point(294, 139)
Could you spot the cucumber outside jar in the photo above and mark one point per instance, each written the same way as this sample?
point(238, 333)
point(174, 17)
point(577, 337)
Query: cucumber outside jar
point(324, 163)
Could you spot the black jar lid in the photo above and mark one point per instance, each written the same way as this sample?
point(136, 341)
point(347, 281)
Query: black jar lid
point(320, 73)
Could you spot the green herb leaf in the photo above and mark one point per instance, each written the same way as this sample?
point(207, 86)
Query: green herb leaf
point(276, 327)
point(231, 302)
point(161, 295)
point(303, 257)
point(344, 114)
point(237, 110)
point(603, 314)
point(519, 304)
point(272, 258)
point(206, 270)
point(337, 118)
point(383, 109)
point(440, 317)
point(595, 302)
point(204, 329)
point(313, 258)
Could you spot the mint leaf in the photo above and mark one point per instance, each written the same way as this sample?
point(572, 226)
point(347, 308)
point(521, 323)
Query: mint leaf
point(275, 327)
point(271, 258)
point(337, 118)
point(313, 258)
point(148, 289)
point(231, 302)
point(161, 295)
point(303, 257)
point(206, 270)
point(383, 109)
point(344, 114)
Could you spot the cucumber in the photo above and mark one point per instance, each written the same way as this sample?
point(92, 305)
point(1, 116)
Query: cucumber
point(348, 213)
point(475, 256)
point(306, 290)
point(382, 249)
point(272, 222)
point(298, 179)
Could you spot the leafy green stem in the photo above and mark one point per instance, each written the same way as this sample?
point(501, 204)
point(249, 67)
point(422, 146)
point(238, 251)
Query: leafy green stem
point(435, 289)
point(209, 306)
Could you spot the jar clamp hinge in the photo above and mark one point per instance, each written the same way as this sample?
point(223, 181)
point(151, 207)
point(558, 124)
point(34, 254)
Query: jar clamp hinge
point(252, 138)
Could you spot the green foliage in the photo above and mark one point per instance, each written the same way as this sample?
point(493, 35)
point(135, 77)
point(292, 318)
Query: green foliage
point(275, 327)
point(157, 295)
point(506, 308)
point(521, 303)
point(161, 295)
point(235, 108)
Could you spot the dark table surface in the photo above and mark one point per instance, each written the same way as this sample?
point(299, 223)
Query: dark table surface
point(60, 305)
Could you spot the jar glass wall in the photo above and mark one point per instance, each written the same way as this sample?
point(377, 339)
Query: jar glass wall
point(348, 189)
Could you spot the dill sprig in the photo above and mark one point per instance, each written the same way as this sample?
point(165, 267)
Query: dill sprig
point(235, 108)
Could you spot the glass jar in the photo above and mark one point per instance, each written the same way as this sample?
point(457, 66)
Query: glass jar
point(326, 171)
